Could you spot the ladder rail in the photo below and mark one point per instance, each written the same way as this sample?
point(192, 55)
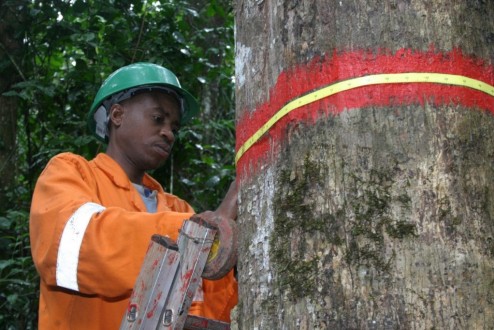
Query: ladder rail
point(152, 285)
point(194, 244)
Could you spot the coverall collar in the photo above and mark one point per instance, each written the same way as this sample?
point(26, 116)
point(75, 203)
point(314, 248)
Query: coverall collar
point(116, 173)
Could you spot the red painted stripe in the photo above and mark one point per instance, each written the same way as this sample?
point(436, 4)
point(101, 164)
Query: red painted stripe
point(339, 66)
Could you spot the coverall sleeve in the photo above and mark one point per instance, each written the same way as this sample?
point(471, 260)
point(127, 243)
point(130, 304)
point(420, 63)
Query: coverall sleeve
point(79, 244)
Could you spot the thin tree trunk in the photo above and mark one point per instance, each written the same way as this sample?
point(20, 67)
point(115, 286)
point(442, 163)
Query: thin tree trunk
point(9, 46)
point(373, 207)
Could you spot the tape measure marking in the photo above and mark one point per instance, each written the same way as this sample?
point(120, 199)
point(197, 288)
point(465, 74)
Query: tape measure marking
point(215, 247)
point(385, 78)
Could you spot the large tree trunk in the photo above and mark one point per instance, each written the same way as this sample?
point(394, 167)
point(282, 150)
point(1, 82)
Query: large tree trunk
point(373, 207)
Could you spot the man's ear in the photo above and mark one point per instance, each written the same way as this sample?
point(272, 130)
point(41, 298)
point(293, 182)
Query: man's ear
point(116, 114)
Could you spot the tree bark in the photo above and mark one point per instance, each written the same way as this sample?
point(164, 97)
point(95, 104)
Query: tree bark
point(372, 208)
point(9, 46)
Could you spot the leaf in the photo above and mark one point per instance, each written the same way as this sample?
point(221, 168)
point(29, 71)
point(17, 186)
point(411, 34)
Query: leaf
point(6, 263)
point(187, 182)
point(213, 181)
point(178, 37)
point(185, 51)
point(11, 93)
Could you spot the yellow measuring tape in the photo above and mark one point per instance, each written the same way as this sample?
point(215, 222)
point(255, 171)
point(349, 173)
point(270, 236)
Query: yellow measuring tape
point(386, 78)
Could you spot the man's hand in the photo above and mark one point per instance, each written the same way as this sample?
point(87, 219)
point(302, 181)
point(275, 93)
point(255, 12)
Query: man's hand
point(223, 255)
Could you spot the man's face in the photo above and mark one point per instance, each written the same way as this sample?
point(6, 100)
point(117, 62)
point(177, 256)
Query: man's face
point(143, 130)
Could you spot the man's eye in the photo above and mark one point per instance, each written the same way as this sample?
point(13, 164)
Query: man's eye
point(175, 131)
point(158, 119)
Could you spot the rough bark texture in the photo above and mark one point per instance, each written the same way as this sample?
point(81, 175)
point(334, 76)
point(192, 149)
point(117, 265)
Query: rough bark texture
point(375, 218)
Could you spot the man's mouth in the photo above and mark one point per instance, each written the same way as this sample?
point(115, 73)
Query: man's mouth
point(163, 149)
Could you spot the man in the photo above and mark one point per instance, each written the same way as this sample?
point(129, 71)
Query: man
point(91, 221)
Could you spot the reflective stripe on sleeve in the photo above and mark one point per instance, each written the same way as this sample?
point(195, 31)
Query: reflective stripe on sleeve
point(70, 245)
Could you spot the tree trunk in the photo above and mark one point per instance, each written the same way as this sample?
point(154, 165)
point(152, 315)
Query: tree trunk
point(9, 46)
point(371, 207)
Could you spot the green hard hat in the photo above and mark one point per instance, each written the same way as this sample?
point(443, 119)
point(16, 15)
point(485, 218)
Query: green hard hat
point(129, 80)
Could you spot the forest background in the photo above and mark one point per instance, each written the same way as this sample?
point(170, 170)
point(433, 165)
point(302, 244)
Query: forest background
point(54, 55)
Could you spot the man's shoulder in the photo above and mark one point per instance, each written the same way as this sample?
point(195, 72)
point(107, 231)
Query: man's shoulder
point(68, 158)
point(69, 162)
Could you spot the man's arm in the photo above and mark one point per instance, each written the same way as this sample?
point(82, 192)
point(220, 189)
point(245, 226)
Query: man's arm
point(228, 207)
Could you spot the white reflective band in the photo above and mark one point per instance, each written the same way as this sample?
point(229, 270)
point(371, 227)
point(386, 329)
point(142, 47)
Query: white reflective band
point(70, 245)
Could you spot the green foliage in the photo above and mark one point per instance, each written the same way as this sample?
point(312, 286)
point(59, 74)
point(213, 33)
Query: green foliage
point(202, 165)
point(18, 278)
point(67, 49)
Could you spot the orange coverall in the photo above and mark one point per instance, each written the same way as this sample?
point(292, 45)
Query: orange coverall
point(89, 234)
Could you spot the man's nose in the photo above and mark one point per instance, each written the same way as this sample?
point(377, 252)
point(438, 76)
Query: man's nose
point(167, 132)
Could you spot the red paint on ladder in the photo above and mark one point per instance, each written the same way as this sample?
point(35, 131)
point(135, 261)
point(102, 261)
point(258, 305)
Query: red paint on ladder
point(171, 259)
point(340, 66)
point(151, 312)
point(186, 280)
